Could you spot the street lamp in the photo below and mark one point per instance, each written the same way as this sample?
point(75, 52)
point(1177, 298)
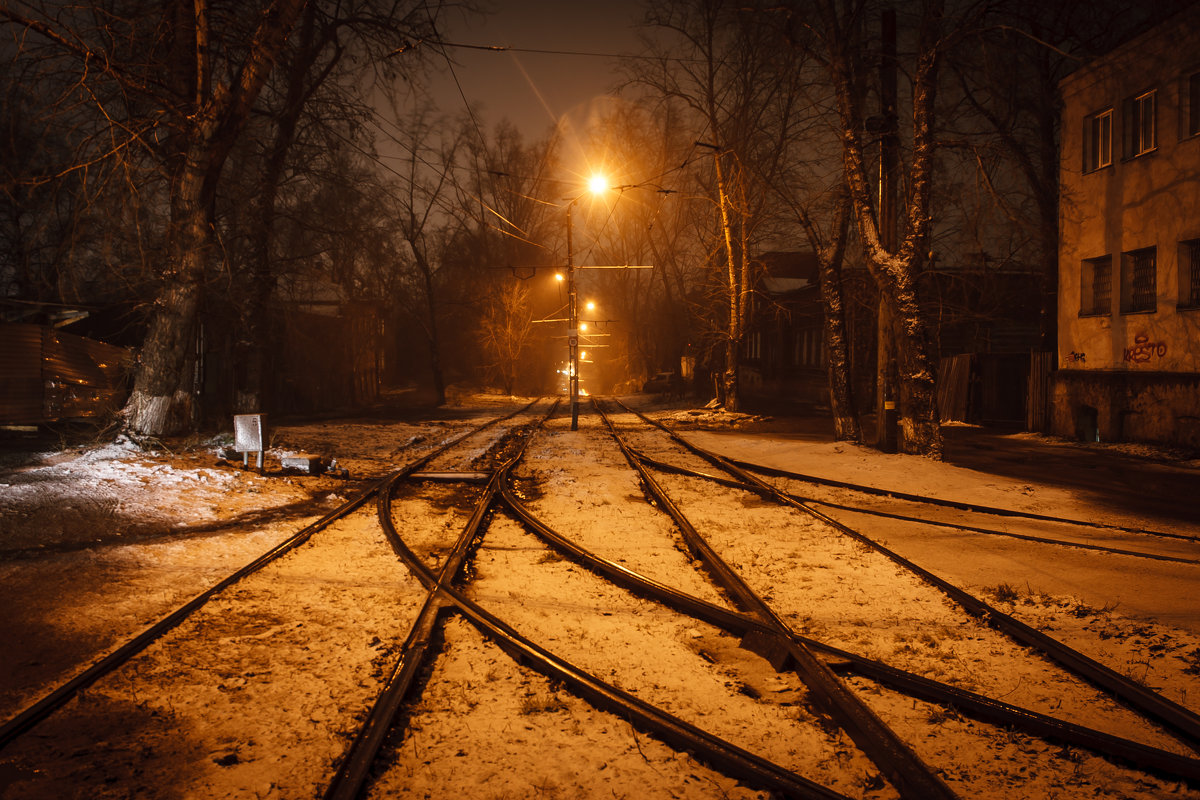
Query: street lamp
point(596, 185)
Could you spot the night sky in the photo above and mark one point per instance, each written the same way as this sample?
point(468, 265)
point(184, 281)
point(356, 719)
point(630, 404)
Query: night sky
point(534, 90)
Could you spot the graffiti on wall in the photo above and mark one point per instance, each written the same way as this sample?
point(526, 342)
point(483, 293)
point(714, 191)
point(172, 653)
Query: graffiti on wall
point(1143, 350)
point(1073, 357)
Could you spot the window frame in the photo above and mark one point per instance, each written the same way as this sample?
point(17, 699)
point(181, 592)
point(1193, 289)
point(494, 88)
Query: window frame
point(1189, 275)
point(1140, 129)
point(1090, 304)
point(1191, 117)
point(754, 345)
point(1134, 297)
point(1097, 140)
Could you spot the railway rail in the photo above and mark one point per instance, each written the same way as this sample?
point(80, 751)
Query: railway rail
point(659, 618)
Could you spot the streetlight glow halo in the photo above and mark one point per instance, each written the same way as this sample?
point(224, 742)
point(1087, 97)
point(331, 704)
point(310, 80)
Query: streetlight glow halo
point(598, 183)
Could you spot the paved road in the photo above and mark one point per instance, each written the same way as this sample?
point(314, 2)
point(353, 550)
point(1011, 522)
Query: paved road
point(1164, 493)
point(1114, 480)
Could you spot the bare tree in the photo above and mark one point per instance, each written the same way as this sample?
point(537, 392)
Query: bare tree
point(648, 220)
point(505, 331)
point(896, 266)
point(189, 73)
point(724, 63)
point(326, 88)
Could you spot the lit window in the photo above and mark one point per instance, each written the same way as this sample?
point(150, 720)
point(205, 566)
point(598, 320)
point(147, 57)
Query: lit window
point(1139, 280)
point(1097, 140)
point(1140, 135)
point(1096, 284)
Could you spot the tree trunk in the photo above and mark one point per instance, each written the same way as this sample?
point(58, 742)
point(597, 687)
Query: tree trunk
point(846, 426)
point(895, 270)
point(729, 377)
point(254, 348)
point(432, 340)
point(161, 402)
point(733, 288)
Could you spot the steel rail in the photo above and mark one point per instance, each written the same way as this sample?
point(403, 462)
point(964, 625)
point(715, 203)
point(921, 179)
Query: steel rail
point(977, 706)
point(31, 716)
point(732, 621)
point(1184, 722)
point(684, 736)
point(663, 466)
point(354, 769)
point(352, 773)
point(894, 758)
point(706, 747)
point(955, 504)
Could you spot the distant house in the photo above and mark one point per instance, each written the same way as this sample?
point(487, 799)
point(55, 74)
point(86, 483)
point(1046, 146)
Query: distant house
point(1129, 252)
point(981, 323)
point(783, 351)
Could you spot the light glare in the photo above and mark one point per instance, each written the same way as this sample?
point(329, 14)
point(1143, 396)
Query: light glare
point(597, 184)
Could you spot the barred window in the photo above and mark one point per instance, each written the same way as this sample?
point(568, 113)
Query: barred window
point(1096, 284)
point(1139, 280)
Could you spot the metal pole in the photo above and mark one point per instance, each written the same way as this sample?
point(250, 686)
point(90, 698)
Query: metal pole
point(887, 427)
point(572, 329)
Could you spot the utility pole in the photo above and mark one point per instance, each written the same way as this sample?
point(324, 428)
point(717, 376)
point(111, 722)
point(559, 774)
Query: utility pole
point(887, 379)
point(572, 327)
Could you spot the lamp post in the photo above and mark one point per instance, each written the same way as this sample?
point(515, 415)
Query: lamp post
point(572, 328)
point(597, 184)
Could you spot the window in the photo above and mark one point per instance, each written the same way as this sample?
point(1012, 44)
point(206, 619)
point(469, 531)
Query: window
point(1189, 274)
point(1193, 113)
point(1096, 284)
point(754, 346)
point(1097, 140)
point(1140, 134)
point(808, 348)
point(1139, 280)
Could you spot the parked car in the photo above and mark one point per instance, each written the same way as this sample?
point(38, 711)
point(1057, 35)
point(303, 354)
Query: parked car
point(661, 383)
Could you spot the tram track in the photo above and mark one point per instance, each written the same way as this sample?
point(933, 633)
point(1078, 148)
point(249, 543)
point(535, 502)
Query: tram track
point(1183, 721)
point(1180, 719)
point(752, 468)
point(103, 668)
point(640, 623)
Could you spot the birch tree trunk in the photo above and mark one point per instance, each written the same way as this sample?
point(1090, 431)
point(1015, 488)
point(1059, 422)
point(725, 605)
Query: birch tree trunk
point(896, 271)
point(830, 256)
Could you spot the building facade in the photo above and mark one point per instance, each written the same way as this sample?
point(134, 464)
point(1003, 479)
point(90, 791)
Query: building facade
point(1129, 251)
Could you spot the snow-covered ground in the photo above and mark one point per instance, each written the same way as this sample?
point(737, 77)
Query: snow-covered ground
point(102, 540)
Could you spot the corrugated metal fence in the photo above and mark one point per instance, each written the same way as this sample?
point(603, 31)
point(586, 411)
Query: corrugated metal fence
point(47, 375)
